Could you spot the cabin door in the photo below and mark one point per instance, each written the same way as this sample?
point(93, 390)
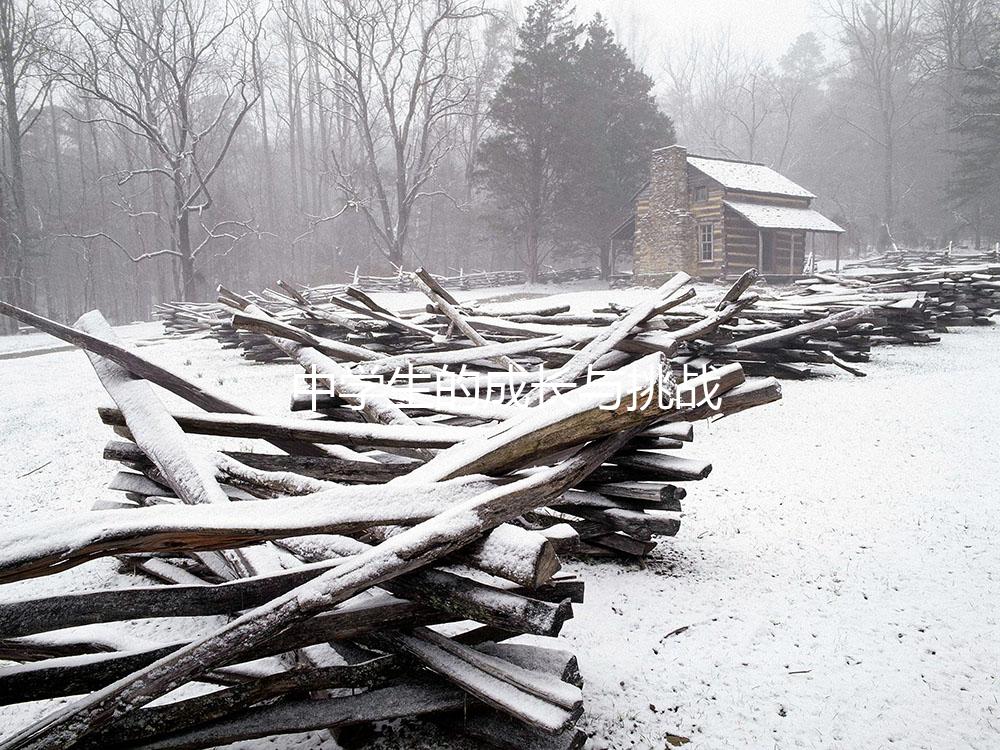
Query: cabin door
point(766, 251)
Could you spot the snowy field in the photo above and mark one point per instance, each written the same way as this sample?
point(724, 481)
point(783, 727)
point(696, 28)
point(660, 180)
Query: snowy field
point(835, 583)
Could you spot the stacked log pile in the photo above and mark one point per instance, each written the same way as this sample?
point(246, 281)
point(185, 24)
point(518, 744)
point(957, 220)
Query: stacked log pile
point(913, 303)
point(954, 295)
point(347, 315)
point(904, 257)
point(403, 281)
point(786, 337)
point(827, 323)
point(377, 564)
point(212, 318)
point(791, 341)
point(741, 329)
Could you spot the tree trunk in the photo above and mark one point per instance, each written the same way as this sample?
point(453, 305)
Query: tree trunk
point(532, 250)
point(18, 245)
point(888, 173)
point(182, 236)
point(7, 288)
point(396, 252)
point(605, 258)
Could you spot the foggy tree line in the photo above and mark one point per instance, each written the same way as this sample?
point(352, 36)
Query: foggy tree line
point(895, 126)
point(155, 148)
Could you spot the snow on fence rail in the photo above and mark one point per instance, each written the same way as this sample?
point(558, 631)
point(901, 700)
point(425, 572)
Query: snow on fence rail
point(570, 448)
point(343, 560)
point(767, 339)
point(403, 281)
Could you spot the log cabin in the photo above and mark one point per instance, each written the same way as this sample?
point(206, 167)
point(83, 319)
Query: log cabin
point(716, 218)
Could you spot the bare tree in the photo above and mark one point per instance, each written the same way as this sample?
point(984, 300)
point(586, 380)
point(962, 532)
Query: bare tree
point(25, 52)
point(722, 97)
point(958, 32)
point(680, 78)
point(391, 70)
point(801, 69)
point(484, 57)
point(750, 102)
point(883, 42)
point(175, 76)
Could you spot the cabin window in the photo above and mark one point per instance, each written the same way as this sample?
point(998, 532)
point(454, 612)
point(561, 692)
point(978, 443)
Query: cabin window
point(701, 193)
point(706, 239)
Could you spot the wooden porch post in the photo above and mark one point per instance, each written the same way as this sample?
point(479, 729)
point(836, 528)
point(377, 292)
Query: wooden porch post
point(838, 254)
point(760, 250)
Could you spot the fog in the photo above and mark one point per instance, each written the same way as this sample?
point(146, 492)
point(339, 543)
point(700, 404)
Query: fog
point(153, 149)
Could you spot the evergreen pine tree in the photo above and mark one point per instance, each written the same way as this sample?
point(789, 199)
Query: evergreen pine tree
point(523, 163)
point(975, 187)
point(573, 131)
point(615, 126)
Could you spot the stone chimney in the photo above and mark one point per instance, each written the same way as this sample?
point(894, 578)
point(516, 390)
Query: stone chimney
point(665, 239)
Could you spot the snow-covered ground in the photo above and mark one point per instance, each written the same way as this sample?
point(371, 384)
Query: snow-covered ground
point(838, 573)
point(834, 584)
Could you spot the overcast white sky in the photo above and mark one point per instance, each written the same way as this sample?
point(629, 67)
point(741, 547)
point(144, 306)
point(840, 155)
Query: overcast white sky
point(650, 26)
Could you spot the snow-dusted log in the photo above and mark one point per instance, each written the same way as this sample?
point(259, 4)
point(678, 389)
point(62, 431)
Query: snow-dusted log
point(743, 283)
point(507, 552)
point(594, 499)
point(464, 355)
point(739, 398)
point(668, 340)
point(324, 468)
point(257, 322)
point(184, 470)
point(93, 670)
point(457, 595)
point(450, 401)
point(448, 307)
point(88, 667)
point(642, 525)
point(524, 557)
point(37, 615)
point(659, 467)
point(537, 699)
point(844, 319)
point(220, 717)
point(636, 394)
point(407, 551)
point(519, 555)
point(314, 311)
point(187, 473)
point(499, 730)
point(44, 547)
point(313, 430)
point(377, 312)
point(610, 337)
point(140, 727)
point(659, 494)
point(683, 431)
point(343, 382)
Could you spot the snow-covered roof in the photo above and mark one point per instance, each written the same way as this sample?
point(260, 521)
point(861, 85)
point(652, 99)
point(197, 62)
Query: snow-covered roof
point(782, 217)
point(753, 178)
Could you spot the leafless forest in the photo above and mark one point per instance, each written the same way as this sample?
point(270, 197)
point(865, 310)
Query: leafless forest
point(154, 148)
